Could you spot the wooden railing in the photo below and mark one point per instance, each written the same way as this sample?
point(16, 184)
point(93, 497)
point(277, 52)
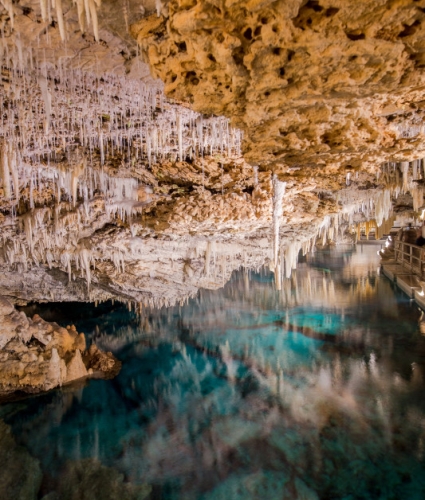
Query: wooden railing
point(411, 257)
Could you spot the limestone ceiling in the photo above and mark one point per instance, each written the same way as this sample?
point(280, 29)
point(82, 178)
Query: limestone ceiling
point(312, 83)
point(108, 189)
point(115, 52)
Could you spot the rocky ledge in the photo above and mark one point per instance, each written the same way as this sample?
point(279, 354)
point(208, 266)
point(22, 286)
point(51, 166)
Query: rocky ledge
point(37, 356)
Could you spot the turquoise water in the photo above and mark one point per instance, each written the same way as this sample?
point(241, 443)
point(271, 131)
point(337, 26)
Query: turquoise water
point(315, 391)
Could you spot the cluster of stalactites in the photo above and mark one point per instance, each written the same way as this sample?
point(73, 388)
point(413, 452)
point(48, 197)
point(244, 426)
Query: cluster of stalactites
point(409, 130)
point(53, 234)
point(405, 177)
point(87, 14)
point(372, 204)
point(47, 111)
point(54, 237)
point(79, 181)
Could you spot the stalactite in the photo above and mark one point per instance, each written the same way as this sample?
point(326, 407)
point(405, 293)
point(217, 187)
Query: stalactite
point(255, 169)
point(95, 23)
point(61, 24)
point(81, 120)
point(8, 5)
point(5, 172)
point(278, 194)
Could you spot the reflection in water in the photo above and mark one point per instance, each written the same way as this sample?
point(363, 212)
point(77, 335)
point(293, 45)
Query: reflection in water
point(313, 391)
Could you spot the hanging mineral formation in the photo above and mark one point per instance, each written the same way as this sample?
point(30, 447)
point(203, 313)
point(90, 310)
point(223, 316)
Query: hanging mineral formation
point(278, 194)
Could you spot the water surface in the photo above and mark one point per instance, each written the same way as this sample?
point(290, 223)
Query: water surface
point(315, 391)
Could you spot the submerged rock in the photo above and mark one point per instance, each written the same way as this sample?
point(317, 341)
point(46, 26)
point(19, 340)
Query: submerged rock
point(38, 356)
point(101, 362)
point(90, 480)
point(20, 473)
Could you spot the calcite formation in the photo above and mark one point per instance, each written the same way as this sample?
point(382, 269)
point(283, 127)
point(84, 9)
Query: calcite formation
point(114, 185)
point(37, 356)
point(313, 84)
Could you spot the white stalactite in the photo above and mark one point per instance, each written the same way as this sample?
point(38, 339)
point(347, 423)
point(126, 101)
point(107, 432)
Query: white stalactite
point(95, 23)
point(61, 22)
point(278, 194)
point(5, 172)
point(43, 6)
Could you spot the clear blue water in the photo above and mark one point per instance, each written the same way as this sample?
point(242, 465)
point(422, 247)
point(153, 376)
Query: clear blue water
point(315, 391)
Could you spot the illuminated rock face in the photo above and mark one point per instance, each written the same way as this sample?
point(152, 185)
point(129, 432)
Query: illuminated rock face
point(37, 356)
point(108, 189)
point(318, 83)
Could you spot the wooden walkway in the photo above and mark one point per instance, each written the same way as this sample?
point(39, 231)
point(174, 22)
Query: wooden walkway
point(407, 270)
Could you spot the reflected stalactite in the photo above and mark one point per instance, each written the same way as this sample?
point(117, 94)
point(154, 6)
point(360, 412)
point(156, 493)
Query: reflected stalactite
point(299, 373)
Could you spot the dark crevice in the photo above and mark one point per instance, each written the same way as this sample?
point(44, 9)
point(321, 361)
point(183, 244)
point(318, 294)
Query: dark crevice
point(248, 34)
point(192, 77)
point(409, 30)
point(354, 36)
point(314, 5)
point(238, 55)
point(182, 46)
point(331, 11)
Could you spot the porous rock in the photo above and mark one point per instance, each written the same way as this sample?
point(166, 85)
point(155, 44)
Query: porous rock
point(312, 83)
point(38, 356)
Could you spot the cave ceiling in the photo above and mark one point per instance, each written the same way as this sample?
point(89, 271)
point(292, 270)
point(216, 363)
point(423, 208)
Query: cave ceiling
point(151, 148)
point(311, 83)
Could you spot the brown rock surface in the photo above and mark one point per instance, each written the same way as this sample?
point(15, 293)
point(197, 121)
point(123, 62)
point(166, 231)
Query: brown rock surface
point(101, 362)
point(37, 356)
point(312, 83)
